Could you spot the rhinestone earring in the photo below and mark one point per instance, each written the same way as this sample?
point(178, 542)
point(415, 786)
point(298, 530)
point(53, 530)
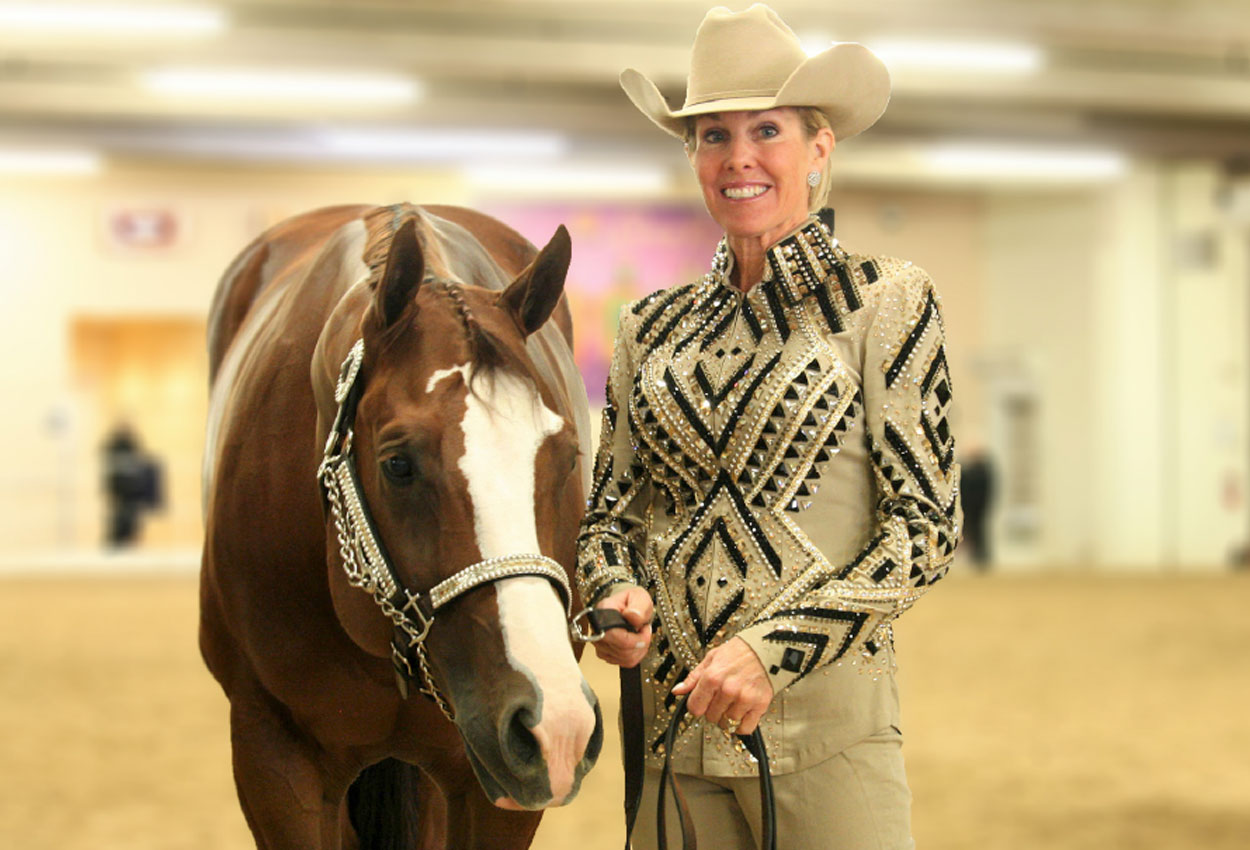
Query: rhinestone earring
point(813, 179)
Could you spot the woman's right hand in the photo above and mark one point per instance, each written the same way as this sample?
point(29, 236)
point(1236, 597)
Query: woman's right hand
point(619, 646)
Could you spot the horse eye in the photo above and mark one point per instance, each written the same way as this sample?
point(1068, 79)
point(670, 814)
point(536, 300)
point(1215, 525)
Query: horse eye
point(399, 469)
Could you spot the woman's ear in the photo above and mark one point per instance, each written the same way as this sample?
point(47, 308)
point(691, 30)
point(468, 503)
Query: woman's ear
point(823, 144)
point(690, 143)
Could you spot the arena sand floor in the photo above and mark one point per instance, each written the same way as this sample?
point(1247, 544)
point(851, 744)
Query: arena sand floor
point(1066, 712)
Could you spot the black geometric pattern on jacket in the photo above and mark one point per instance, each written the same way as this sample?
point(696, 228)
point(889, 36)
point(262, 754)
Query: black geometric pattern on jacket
point(732, 419)
point(687, 421)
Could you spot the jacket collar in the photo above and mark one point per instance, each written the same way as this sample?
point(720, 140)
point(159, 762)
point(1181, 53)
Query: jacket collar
point(797, 265)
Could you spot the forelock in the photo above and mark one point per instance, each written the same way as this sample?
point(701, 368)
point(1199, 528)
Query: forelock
point(486, 351)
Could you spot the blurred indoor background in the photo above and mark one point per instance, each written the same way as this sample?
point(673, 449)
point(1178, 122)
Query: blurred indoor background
point(1074, 174)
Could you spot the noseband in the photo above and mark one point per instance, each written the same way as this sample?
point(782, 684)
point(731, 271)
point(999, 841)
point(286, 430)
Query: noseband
point(368, 567)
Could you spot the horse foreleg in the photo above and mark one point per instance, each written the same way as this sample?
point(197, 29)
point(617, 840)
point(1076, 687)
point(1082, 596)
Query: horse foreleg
point(432, 815)
point(283, 787)
point(476, 823)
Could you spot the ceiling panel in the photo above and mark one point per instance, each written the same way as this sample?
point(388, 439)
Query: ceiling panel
point(1149, 77)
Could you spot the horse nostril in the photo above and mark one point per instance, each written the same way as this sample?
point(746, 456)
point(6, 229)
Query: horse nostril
point(520, 747)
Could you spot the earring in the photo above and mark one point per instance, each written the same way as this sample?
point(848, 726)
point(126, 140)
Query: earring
point(813, 179)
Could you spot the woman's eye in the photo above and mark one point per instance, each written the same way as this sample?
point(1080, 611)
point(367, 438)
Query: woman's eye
point(768, 131)
point(714, 136)
point(399, 469)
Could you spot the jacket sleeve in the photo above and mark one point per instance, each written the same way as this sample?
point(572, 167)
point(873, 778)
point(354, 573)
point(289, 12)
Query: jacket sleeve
point(610, 546)
point(907, 399)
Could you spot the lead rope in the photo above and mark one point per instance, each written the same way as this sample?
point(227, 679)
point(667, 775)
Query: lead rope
point(768, 805)
point(598, 621)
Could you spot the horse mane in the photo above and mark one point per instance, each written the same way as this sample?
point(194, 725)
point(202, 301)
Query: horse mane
point(486, 351)
point(381, 225)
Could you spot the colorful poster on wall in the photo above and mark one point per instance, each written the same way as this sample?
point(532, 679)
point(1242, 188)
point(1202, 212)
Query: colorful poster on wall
point(620, 253)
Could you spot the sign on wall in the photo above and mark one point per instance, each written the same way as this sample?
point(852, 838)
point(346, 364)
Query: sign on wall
point(144, 229)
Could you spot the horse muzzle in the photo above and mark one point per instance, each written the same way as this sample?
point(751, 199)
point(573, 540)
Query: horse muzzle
point(534, 752)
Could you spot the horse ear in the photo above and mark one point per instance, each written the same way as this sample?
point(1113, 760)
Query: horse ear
point(404, 271)
point(535, 293)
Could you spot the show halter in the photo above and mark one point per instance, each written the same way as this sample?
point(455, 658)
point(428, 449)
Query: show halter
point(366, 563)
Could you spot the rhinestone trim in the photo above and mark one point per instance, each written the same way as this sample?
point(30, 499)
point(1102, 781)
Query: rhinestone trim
point(367, 567)
point(494, 569)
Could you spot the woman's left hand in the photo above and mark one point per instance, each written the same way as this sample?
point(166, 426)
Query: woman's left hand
point(730, 684)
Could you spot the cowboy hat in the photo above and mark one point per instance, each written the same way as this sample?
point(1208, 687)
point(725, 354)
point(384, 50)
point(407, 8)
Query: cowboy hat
point(752, 61)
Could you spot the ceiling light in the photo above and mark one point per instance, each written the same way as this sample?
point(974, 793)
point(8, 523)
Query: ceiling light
point(263, 84)
point(48, 162)
point(1040, 164)
point(567, 179)
point(441, 145)
point(96, 18)
point(956, 56)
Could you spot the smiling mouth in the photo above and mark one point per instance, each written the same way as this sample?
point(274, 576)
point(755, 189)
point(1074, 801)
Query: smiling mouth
point(743, 193)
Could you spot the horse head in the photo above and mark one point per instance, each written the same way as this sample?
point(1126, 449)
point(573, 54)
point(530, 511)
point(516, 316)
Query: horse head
point(465, 456)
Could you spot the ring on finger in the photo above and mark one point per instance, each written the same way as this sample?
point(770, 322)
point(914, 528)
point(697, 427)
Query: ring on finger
point(731, 725)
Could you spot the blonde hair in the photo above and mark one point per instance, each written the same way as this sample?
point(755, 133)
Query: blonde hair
point(813, 121)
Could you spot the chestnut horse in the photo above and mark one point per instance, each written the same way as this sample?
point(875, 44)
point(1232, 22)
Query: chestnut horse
point(394, 476)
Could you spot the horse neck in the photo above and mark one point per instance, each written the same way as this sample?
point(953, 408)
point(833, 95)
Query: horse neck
point(463, 257)
point(450, 251)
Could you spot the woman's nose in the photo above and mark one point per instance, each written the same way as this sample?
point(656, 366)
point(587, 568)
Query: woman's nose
point(740, 153)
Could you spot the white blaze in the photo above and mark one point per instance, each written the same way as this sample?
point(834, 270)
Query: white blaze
point(503, 431)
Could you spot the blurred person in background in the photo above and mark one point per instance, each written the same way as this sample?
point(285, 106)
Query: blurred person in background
point(131, 485)
point(976, 493)
point(775, 481)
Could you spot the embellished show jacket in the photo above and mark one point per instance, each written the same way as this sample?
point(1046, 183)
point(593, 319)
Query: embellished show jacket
point(778, 466)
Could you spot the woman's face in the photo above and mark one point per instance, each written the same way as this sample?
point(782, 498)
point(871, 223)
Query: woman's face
point(753, 167)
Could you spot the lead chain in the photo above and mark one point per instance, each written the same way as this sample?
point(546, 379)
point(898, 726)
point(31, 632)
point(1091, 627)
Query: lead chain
point(356, 576)
point(426, 684)
point(359, 578)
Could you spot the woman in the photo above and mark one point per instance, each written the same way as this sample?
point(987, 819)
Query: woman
point(775, 482)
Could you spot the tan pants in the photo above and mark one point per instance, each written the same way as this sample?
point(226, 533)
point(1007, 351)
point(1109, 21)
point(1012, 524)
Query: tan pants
point(856, 800)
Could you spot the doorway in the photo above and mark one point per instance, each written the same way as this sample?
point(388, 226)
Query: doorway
point(150, 375)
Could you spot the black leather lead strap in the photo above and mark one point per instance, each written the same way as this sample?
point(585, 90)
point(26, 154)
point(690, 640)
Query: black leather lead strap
point(602, 619)
point(684, 822)
point(768, 808)
point(768, 805)
point(634, 755)
point(634, 744)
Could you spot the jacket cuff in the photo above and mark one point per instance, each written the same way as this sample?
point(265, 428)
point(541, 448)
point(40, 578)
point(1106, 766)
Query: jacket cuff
point(604, 584)
point(610, 589)
point(784, 662)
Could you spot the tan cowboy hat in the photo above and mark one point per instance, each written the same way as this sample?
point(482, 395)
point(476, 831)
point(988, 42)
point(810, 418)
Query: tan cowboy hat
point(751, 60)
